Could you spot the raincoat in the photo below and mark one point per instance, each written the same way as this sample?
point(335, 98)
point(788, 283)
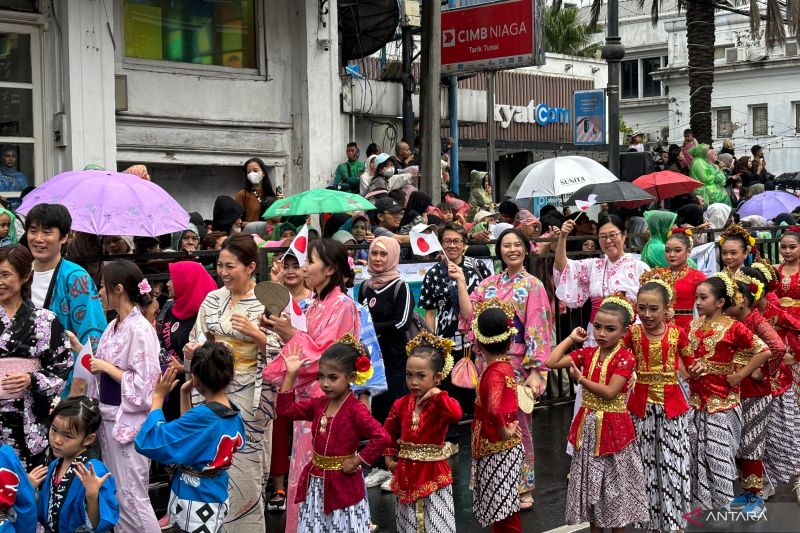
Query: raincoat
point(660, 223)
point(713, 180)
point(479, 198)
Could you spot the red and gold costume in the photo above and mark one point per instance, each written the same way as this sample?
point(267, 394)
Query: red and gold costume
point(334, 440)
point(758, 324)
point(657, 370)
point(418, 443)
point(613, 423)
point(721, 344)
point(495, 406)
point(684, 283)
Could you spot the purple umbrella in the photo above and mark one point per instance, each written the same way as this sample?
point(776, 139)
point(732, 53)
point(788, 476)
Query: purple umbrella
point(111, 203)
point(769, 204)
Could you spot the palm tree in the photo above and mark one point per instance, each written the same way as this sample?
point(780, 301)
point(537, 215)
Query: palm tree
point(564, 33)
point(700, 34)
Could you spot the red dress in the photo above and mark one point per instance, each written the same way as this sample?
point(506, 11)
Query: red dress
point(755, 322)
point(657, 370)
point(422, 467)
point(685, 284)
point(496, 405)
point(721, 344)
point(612, 422)
point(343, 432)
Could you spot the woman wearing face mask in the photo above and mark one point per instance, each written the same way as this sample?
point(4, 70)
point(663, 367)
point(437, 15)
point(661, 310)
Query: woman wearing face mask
point(257, 194)
point(386, 178)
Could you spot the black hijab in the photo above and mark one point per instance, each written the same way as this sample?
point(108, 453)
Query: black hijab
point(226, 212)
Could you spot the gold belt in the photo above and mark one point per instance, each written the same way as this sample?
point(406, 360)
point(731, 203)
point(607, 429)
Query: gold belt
point(422, 452)
point(596, 403)
point(657, 378)
point(683, 312)
point(329, 462)
point(789, 302)
point(720, 369)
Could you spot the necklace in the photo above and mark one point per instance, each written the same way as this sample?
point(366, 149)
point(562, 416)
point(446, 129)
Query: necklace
point(323, 421)
point(414, 420)
point(786, 280)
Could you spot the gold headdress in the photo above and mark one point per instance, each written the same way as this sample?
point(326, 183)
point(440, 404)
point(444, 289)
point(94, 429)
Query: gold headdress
point(363, 363)
point(736, 229)
point(765, 267)
point(730, 288)
point(445, 346)
point(682, 231)
point(620, 299)
point(755, 287)
point(495, 303)
point(661, 276)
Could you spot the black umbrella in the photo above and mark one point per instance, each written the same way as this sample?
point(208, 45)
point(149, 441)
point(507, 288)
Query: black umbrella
point(788, 177)
point(616, 191)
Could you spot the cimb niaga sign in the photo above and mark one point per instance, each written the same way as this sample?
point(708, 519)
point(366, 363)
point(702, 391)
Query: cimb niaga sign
point(490, 36)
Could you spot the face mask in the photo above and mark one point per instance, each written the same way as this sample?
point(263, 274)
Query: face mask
point(255, 177)
point(388, 172)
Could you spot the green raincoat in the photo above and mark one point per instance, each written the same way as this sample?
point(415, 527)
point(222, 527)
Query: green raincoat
point(713, 180)
point(11, 238)
point(660, 223)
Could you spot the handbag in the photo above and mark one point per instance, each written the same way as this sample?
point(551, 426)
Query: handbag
point(525, 399)
point(16, 365)
point(464, 373)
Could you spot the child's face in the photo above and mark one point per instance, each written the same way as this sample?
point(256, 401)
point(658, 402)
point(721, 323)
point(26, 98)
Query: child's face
point(651, 310)
point(608, 329)
point(66, 441)
point(333, 380)
point(5, 225)
point(733, 254)
point(420, 377)
point(705, 302)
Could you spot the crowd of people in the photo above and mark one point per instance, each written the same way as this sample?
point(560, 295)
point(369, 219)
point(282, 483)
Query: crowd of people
point(684, 373)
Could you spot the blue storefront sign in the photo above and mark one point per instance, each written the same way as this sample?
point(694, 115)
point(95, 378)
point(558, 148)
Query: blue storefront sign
point(589, 117)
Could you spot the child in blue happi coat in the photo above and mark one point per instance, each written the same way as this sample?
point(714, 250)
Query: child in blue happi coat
point(17, 498)
point(200, 443)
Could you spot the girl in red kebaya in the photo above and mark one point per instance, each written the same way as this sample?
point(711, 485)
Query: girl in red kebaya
point(606, 480)
point(331, 490)
point(683, 278)
point(418, 423)
point(497, 450)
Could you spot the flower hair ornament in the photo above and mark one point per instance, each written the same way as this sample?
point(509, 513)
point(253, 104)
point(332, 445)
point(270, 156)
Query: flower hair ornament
point(363, 363)
point(737, 230)
point(443, 345)
point(765, 267)
point(792, 229)
point(730, 288)
point(755, 287)
point(494, 303)
point(662, 277)
point(144, 287)
point(620, 299)
point(684, 231)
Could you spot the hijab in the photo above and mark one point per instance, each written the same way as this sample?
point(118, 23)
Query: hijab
point(417, 204)
point(691, 214)
point(525, 218)
point(12, 228)
point(191, 284)
point(178, 235)
point(660, 223)
point(636, 225)
point(343, 237)
point(226, 212)
point(390, 245)
point(718, 215)
point(8, 171)
point(348, 226)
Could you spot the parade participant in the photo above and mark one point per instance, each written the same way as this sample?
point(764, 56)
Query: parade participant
point(659, 408)
point(230, 315)
point(35, 360)
point(607, 486)
point(17, 495)
point(534, 324)
point(595, 278)
point(60, 285)
point(497, 451)
point(680, 275)
point(63, 504)
point(202, 442)
point(756, 390)
point(8, 229)
point(126, 367)
point(257, 194)
point(717, 340)
point(660, 224)
point(736, 245)
point(418, 424)
point(331, 489)
point(331, 314)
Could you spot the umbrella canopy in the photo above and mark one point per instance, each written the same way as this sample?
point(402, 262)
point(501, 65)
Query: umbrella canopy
point(318, 201)
point(557, 176)
point(788, 178)
point(666, 184)
point(111, 203)
point(769, 204)
point(617, 191)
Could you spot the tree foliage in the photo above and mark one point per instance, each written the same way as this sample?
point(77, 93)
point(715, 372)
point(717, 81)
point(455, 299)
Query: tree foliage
point(564, 33)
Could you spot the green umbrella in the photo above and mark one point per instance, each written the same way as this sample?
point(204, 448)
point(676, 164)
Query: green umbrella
point(318, 201)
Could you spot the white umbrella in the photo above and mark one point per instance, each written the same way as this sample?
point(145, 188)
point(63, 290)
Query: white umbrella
point(558, 176)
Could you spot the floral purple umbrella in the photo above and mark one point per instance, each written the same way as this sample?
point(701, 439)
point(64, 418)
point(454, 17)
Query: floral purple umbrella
point(110, 203)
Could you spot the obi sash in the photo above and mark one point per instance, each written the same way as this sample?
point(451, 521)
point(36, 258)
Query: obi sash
point(110, 390)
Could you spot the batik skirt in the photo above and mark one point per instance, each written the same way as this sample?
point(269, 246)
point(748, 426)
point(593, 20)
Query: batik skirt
point(606, 490)
point(314, 519)
point(755, 413)
point(496, 485)
point(432, 514)
point(714, 439)
point(664, 446)
point(781, 457)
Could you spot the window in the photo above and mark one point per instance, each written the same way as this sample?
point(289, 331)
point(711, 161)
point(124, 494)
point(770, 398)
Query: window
point(650, 87)
point(759, 118)
point(724, 126)
point(18, 5)
point(192, 31)
point(797, 117)
point(630, 79)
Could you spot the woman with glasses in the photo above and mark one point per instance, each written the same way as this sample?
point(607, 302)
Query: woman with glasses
point(534, 330)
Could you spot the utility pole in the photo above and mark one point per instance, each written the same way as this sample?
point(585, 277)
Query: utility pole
point(490, 131)
point(407, 80)
point(613, 52)
point(452, 97)
point(430, 103)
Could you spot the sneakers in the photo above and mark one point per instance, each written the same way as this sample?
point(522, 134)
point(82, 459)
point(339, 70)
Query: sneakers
point(277, 503)
point(755, 505)
point(767, 491)
point(796, 489)
point(377, 477)
point(748, 502)
point(386, 486)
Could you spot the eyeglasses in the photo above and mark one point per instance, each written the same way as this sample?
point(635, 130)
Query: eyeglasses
point(452, 242)
point(609, 236)
point(512, 245)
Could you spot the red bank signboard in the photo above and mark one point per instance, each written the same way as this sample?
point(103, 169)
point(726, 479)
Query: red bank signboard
point(493, 36)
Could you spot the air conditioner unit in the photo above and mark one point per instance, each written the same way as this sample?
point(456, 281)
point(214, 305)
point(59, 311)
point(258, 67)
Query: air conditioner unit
point(790, 50)
point(735, 54)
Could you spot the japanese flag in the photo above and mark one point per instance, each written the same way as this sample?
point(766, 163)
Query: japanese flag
point(424, 243)
point(300, 245)
point(83, 367)
point(584, 206)
point(298, 318)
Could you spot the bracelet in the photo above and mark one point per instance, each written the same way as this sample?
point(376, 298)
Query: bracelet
point(361, 459)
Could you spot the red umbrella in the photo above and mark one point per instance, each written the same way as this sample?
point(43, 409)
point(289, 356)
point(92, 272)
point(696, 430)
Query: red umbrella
point(666, 184)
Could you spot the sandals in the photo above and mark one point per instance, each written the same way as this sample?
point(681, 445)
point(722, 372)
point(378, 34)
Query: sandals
point(277, 502)
point(526, 502)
